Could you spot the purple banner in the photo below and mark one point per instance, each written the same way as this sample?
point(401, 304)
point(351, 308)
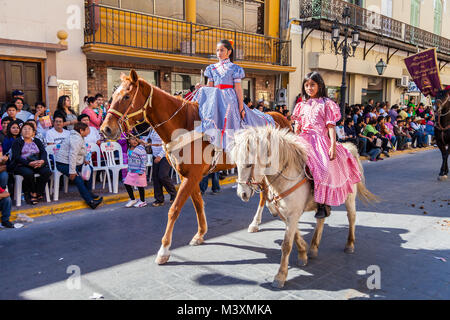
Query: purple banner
point(424, 70)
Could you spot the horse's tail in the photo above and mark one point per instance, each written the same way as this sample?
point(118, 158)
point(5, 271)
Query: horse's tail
point(363, 193)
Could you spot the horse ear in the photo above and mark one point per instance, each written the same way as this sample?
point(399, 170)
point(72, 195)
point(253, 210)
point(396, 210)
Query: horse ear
point(133, 75)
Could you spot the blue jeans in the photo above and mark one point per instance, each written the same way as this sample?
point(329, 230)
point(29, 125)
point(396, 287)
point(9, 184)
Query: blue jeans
point(5, 207)
point(215, 182)
point(84, 187)
point(374, 153)
point(4, 179)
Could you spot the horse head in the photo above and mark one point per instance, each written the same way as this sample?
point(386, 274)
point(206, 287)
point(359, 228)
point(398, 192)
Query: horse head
point(443, 100)
point(128, 106)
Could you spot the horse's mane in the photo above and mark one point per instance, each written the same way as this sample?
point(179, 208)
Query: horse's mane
point(290, 151)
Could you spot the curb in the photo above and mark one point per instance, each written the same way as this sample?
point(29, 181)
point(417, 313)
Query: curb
point(58, 208)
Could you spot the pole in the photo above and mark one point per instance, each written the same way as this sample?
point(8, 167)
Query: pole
point(344, 75)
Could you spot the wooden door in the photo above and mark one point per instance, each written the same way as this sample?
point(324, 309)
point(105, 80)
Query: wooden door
point(25, 76)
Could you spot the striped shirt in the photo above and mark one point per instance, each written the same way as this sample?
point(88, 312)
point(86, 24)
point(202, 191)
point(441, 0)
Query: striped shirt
point(137, 160)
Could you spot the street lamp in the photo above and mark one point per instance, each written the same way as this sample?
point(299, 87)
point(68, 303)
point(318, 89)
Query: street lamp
point(344, 48)
point(381, 67)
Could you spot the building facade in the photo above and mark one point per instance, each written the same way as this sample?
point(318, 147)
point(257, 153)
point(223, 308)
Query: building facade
point(40, 50)
point(170, 42)
point(389, 30)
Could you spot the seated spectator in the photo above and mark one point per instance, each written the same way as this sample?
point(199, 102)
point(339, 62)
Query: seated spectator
point(57, 134)
point(5, 207)
point(429, 127)
point(28, 158)
point(393, 113)
point(340, 132)
point(41, 118)
point(388, 130)
point(401, 135)
point(4, 132)
point(382, 110)
point(13, 131)
point(419, 134)
point(21, 114)
point(286, 113)
point(357, 114)
point(403, 115)
point(94, 112)
point(70, 159)
point(350, 131)
point(11, 112)
point(3, 170)
point(94, 135)
point(360, 137)
point(372, 149)
point(38, 134)
point(370, 127)
point(64, 110)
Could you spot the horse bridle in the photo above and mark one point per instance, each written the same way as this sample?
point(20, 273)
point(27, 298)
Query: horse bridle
point(124, 118)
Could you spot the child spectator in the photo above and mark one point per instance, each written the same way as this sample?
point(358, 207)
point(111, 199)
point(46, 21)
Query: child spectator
point(350, 131)
point(21, 114)
point(340, 132)
point(136, 175)
point(11, 111)
point(42, 119)
point(57, 135)
point(372, 149)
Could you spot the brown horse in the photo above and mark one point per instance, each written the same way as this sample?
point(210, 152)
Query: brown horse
point(442, 130)
point(136, 101)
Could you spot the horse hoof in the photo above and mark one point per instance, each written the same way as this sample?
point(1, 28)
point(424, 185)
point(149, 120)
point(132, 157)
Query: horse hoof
point(162, 259)
point(349, 250)
point(302, 262)
point(278, 284)
point(253, 229)
point(196, 242)
point(313, 253)
point(442, 178)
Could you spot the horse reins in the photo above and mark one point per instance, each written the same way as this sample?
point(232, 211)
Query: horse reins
point(276, 198)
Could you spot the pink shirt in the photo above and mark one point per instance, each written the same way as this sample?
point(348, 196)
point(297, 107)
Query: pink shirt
point(95, 119)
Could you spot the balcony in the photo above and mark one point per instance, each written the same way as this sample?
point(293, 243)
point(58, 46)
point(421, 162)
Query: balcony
point(374, 27)
point(124, 29)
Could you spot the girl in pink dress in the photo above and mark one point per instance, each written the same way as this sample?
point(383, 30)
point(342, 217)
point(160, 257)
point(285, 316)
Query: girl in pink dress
point(333, 168)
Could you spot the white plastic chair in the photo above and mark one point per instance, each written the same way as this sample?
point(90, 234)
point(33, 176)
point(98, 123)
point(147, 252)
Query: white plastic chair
point(94, 148)
point(55, 178)
point(115, 165)
point(18, 190)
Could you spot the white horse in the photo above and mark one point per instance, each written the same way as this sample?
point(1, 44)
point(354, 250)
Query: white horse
point(284, 182)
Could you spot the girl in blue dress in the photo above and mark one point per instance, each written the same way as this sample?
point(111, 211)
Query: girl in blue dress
point(221, 101)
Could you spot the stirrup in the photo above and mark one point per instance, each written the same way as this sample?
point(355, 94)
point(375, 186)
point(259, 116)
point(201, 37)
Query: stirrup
point(217, 153)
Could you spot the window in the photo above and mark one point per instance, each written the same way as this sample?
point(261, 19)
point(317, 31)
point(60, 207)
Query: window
point(357, 2)
point(437, 17)
point(415, 13)
point(241, 15)
point(165, 8)
point(386, 8)
point(183, 82)
point(113, 78)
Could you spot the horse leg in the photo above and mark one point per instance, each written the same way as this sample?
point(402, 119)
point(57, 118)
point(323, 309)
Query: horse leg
point(183, 194)
point(286, 247)
point(254, 226)
point(315, 241)
point(444, 166)
point(302, 248)
point(350, 204)
point(197, 200)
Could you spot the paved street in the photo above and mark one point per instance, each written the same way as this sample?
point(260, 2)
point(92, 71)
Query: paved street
point(115, 248)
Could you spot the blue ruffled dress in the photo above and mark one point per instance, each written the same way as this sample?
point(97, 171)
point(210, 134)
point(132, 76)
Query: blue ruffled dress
point(219, 108)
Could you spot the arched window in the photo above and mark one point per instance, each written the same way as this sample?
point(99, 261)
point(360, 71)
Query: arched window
point(437, 17)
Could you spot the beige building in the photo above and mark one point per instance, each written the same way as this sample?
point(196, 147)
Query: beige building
point(33, 58)
point(389, 30)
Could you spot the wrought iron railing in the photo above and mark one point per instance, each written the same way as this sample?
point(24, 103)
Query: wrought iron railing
point(125, 28)
point(369, 21)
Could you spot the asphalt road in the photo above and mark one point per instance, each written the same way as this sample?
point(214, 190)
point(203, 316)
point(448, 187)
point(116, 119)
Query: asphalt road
point(114, 248)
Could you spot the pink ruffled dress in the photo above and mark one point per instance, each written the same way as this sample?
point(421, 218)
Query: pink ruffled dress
point(333, 180)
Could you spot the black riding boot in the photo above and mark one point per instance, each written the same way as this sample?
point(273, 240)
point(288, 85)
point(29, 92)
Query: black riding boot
point(323, 211)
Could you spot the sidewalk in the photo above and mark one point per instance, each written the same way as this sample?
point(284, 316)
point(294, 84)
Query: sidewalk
point(72, 201)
